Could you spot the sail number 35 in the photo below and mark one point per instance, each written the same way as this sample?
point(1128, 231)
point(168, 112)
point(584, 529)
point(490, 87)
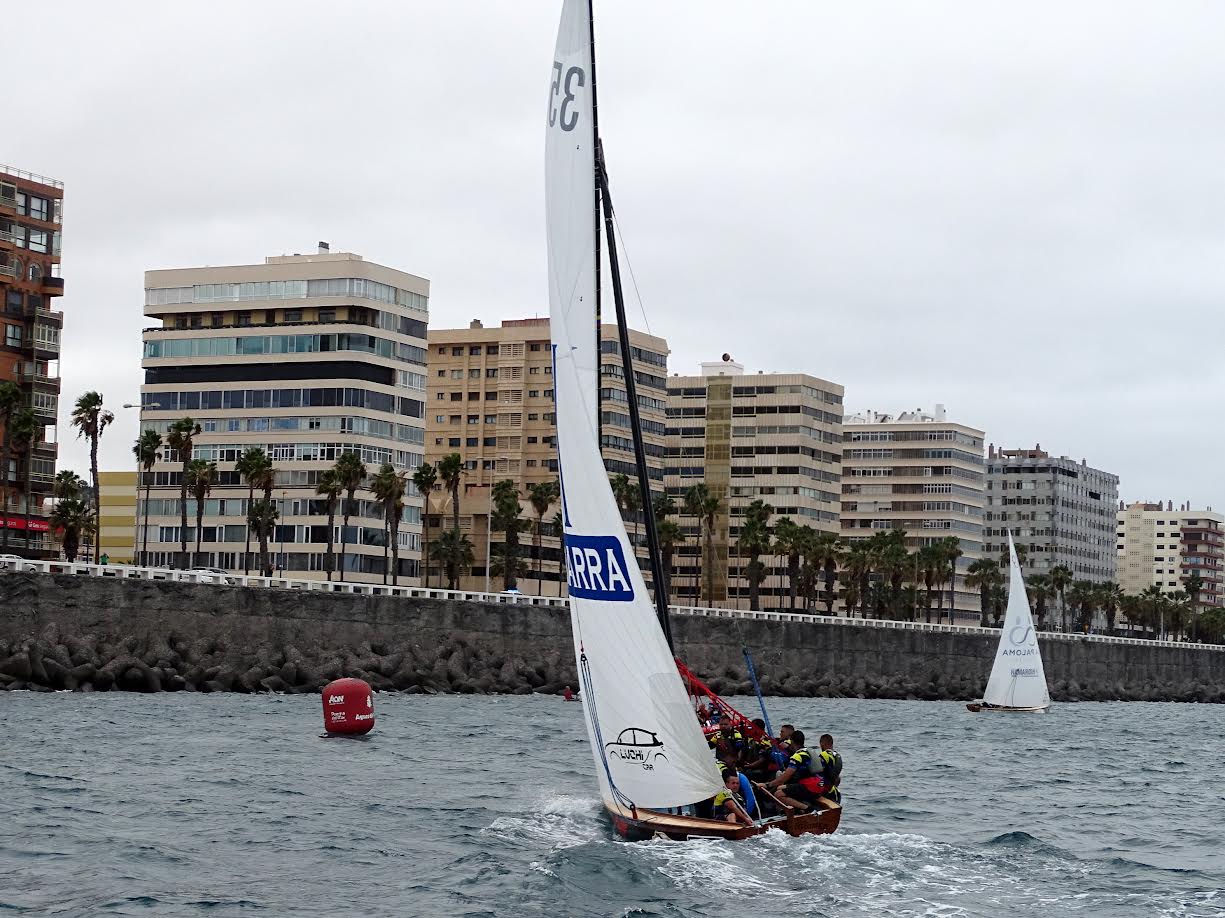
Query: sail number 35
point(565, 87)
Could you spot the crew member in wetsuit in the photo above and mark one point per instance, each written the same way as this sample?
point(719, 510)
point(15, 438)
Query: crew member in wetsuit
point(799, 785)
point(727, 802)
point(728, 743)
point(759, 755)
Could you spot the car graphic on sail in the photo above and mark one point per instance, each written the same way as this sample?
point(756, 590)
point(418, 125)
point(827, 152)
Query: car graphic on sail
point(636, 746)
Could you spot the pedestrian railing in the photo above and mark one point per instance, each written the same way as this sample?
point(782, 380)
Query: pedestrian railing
point(134, 572)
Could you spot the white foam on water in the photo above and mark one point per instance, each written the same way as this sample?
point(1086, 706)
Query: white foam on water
point(553, 823)
point(708, 864)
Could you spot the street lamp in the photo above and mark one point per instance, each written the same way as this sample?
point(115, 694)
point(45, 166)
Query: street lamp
point(284, 509)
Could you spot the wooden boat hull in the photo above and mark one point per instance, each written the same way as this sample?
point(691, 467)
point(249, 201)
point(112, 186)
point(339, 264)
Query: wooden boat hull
point(977, 707)
point(641, 825)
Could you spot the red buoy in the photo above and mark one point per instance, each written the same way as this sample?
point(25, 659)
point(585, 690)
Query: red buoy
point(348, 707)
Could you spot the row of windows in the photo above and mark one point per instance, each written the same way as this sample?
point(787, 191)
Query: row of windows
point(286, 290)
point(371, 426)
point(616, 371)
point(645, 402)
point(288, 534)
point(637, 353)
point(891, 436)
point(36, 240)
point(623, 420)
point(301, 452)
point(215, 399)
point(288, 507)
point(284, 344)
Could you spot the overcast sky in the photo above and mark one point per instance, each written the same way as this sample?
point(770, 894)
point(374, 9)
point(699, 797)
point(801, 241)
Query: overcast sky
point(1013, 209)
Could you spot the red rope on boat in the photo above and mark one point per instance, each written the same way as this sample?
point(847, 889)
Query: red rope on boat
point(699, 689)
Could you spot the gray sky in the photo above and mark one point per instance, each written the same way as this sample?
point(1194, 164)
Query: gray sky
point(1013, 209)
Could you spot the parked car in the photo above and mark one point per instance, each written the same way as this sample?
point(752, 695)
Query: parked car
point(210, 575)
point(9, 562)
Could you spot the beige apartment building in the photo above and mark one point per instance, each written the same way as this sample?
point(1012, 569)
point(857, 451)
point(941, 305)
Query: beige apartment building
point(1163, 546)
point(775, 437)
point(117, 517)
point(309, 357)
point(919, 472)
point(490, 399)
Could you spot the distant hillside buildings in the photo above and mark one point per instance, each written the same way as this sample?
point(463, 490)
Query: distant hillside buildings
point(1162, 547)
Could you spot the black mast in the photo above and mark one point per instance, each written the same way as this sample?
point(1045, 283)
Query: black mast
point(595, 217)
point(631, 391)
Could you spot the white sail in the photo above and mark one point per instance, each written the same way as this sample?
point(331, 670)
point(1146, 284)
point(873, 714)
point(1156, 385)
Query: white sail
point(649, 749)
point(1017, 678)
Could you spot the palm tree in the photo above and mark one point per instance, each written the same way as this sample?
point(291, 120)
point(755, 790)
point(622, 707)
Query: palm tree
point(1061, 579)
point(982, 575)
point(25, 431)
point(1178, 607)
point(388, 487)
point(1040, 593)
point(262, 516)
point(670, 536)
point(557, 529)
point(1083, 596)
point(90, 419)
point(663, 507)
point(255, 467)
point(951, 550)
point(181, 439)
point(1193, 585)
point(507, 512)
point(541, 496)
point(11, 402)
point(894, 562)
point(929, 560)
point(1108, 597)
point(68, 485)
point(73, 516)
point(451, 471)
point(755, 541)
point(700, 503)
point(694, 501)
point(825, 552)
point(455, 551)
point(999, 601)
point(859, 575)
point(789, 541)
point(629, 499)
point(328, 487)
point(146, 449)
point(201, 476)
point(350, 473)
point(425, 479)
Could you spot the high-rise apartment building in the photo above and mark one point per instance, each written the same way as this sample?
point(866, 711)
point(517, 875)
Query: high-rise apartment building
point(774, 437)
point(918, 472)
point(490, 399)
point(1160, 546)
point(1061, 512)
point(309, 357)
point(31, 211)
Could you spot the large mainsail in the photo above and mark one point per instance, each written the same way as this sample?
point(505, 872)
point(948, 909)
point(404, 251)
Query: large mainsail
point(1017, 679)
point(648, 747)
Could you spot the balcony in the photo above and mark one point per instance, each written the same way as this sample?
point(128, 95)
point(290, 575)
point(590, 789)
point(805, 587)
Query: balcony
point(8, 241)
point(53, 286)
point(8, 271)
point(42, 381)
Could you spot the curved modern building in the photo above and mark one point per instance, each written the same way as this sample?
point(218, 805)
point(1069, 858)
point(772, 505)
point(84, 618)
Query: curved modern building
point(308, 356)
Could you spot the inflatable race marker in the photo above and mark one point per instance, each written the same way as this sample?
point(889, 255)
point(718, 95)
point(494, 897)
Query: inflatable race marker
point(348, 708)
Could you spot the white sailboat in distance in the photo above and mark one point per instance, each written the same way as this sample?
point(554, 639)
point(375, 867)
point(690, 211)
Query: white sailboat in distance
point(1018, 682)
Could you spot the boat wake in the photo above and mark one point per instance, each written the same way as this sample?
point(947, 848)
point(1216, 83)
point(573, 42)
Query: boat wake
point(553, 823)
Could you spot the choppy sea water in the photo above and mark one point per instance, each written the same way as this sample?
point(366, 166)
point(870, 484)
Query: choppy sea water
point(138, 805)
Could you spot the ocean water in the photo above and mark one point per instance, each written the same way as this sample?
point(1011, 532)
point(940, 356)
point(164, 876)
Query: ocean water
point(231, 805)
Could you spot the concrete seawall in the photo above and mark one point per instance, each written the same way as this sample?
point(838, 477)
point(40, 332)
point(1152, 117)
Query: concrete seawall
point(90, 633)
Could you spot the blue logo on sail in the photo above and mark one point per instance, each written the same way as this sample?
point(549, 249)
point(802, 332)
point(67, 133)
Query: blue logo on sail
point(596, 568)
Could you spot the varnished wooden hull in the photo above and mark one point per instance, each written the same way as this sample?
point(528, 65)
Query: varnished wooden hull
point(977, 707)
point(640, 825)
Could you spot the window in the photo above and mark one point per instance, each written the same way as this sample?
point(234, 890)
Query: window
point(491, 396)
point(548, 393)
point(457, 374)
point(491, 419)
point(531, 440)
point(455, 418)
point(12, 335)
point(244, 319)
point(471, 441)
point(327, 315)
point(474, 419)
point(474, 396)
point(491, 441)
point(38, 241)
point(218, 318)
point(491, 373)
point(535, 346)
point(533, 417)
point(533, 393)
point(293, 315)
point(474, 350)
point(37, 208)
point(197, 320)
point(548, 371)
point(474, 374)
point(442, 350)
point(440, 419)
point(457, 352)
point(453, 441)
point(533, 371)
point(491, 350)
point(457, 396)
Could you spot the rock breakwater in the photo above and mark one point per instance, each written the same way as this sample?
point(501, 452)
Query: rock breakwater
point(63, 632)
